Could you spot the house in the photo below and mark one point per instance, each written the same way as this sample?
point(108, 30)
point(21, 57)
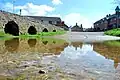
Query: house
point(51, 20)
point(47, 20)
point(77, 28)
point(108, 22)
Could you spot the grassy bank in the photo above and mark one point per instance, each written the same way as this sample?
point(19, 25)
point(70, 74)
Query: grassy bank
point(113, 32)
point(5, 36)
point(40, 34)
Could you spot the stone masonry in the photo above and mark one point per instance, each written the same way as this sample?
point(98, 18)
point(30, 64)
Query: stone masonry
point(24, 22)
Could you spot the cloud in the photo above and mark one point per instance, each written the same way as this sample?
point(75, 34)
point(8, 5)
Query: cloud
point(54, 15)
point(35, 10)
point(29, 9)
point(44, 10)
point(73, 18)
point(7, 7)
point(57, 2)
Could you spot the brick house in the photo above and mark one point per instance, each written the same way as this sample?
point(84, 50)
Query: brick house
point(108, 22)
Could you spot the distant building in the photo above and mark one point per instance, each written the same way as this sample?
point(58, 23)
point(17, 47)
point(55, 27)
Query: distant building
point(89, 30)
point(63, 25)
point(48, 20)
point(77, 28)
point(108, 22)
point(51, 20)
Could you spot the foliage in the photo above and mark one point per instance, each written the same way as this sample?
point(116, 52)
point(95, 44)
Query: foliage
point(113, 32)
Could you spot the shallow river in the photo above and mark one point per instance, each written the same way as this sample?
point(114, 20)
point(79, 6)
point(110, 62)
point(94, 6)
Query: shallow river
point(54, 59)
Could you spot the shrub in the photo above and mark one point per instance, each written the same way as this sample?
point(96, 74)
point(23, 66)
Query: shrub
point(113, 32)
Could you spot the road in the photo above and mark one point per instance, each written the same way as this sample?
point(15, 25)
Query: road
point(86, 36)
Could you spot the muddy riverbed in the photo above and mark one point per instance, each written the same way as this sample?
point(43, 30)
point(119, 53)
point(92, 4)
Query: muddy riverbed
point(55, 59)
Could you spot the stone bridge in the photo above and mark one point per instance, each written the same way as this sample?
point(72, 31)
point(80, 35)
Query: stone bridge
point(13, 27)
point(24, 23)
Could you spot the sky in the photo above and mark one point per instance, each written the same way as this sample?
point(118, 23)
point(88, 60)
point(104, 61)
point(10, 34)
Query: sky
point(84, 12)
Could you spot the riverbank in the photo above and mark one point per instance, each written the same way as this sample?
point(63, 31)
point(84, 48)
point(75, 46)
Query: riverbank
point(38, 35)
point(113, 32)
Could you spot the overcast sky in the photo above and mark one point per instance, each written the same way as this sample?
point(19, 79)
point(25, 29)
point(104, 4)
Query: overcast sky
point(84, 12)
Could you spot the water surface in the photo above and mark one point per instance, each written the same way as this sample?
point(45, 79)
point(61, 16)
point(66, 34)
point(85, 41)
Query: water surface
point(23, 58)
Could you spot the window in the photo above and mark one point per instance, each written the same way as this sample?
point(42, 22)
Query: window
point(58, 22)
point(50, 22)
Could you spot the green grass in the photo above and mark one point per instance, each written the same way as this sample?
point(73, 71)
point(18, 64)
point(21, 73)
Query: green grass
point(113, 43)
point(51, 33)
point(2, 34)
point(40, 34)
point(113, 32)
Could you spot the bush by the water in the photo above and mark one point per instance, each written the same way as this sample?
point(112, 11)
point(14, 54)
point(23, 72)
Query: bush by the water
point(113, 32)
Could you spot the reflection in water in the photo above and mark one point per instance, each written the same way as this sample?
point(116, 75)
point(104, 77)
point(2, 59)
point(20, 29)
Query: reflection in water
point(45, 42)
point(54, 42)
point(76, 44)
point(12, 45)
point(74, 52)
point(110, 50)
point(32, 42)
point(26, 45)
point(77, 58)
point(106, 53)
point(93, 58)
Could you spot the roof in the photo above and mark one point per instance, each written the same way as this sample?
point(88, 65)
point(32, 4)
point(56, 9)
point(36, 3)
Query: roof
point(117, 8)
point(112, 16)
point(46, 18)
point(106, 18)
point(109, 16)
point(76, 27)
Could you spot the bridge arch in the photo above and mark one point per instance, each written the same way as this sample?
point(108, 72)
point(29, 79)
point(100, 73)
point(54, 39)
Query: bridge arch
point(45, 30)
point(12, 28)
point(54, 30)
point(32, 30)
